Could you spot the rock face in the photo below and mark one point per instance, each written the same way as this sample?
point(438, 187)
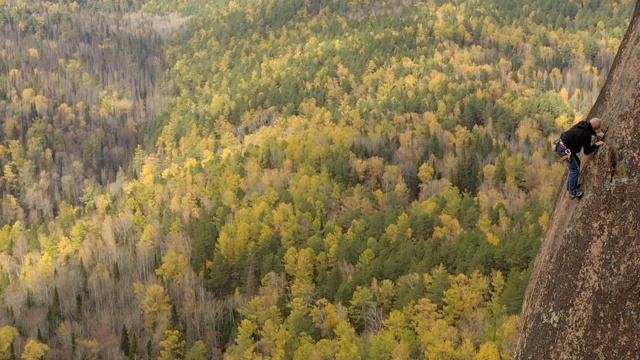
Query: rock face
point(583, 299)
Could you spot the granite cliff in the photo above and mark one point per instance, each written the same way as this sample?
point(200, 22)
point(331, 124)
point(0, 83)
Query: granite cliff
point(583, 299)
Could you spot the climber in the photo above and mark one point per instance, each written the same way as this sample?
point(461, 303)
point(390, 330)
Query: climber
point(578, 138)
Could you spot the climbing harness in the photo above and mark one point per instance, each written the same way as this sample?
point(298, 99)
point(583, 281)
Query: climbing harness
point(564, 154)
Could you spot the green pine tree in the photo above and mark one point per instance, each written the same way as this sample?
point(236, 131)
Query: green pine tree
point(125, 346)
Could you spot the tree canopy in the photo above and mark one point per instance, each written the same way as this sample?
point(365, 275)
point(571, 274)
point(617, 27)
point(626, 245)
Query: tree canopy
point(276, 179)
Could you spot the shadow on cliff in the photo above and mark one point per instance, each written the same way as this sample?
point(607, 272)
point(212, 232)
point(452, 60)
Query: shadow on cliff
point(583, 299)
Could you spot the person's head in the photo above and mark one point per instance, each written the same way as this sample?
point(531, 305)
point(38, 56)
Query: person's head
point(595, 123)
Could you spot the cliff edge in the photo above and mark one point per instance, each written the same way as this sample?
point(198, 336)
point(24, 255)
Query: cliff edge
point(583, 299)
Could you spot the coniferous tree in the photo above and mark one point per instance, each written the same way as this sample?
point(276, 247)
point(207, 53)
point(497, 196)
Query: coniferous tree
point(78, 311)
point(466, 176)
point(54, 313)
point(116, 271)
point(74, 345)
point(149, 348)
point(125, 345)
point(133, 348)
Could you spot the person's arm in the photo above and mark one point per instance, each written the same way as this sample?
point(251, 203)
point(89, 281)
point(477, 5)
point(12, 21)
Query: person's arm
point(588, 148)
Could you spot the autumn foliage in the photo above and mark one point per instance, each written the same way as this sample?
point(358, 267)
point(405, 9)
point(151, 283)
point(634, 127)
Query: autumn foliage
point(283, 179)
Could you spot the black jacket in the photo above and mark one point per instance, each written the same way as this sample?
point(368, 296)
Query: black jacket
point(578, 137)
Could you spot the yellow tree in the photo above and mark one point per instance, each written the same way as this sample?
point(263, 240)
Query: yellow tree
point(465, 296)
point(425, 174)
point(34, 350)
point(488, 351)
point(173, 346)
point(384, 293)
point(394, 341)
point(347, 343)
point(439, 340)
point(245, 341)
point(198, 351)
point(507, 336)
point(273, 338)
point(380, 346)
point(303, 285)
point(7, 334)
point(172, 266)
point(154, 304)
point(327, 316)
point(5, 237)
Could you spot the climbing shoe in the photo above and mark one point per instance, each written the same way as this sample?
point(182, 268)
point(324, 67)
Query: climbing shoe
point(577, 195)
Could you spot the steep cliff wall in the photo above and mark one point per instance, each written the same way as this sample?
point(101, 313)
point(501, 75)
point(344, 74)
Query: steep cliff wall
point(583, 301)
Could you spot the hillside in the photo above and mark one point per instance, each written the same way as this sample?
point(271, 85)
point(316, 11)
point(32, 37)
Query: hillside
point(278, 179)
point(584, 297)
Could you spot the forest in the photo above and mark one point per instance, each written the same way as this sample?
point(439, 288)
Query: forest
point(275, 179)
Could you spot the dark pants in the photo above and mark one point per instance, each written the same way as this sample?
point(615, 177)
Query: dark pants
point(573, 162)
point(574, 173)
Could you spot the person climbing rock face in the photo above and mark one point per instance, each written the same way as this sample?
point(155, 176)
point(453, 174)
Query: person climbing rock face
point(578, 138)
